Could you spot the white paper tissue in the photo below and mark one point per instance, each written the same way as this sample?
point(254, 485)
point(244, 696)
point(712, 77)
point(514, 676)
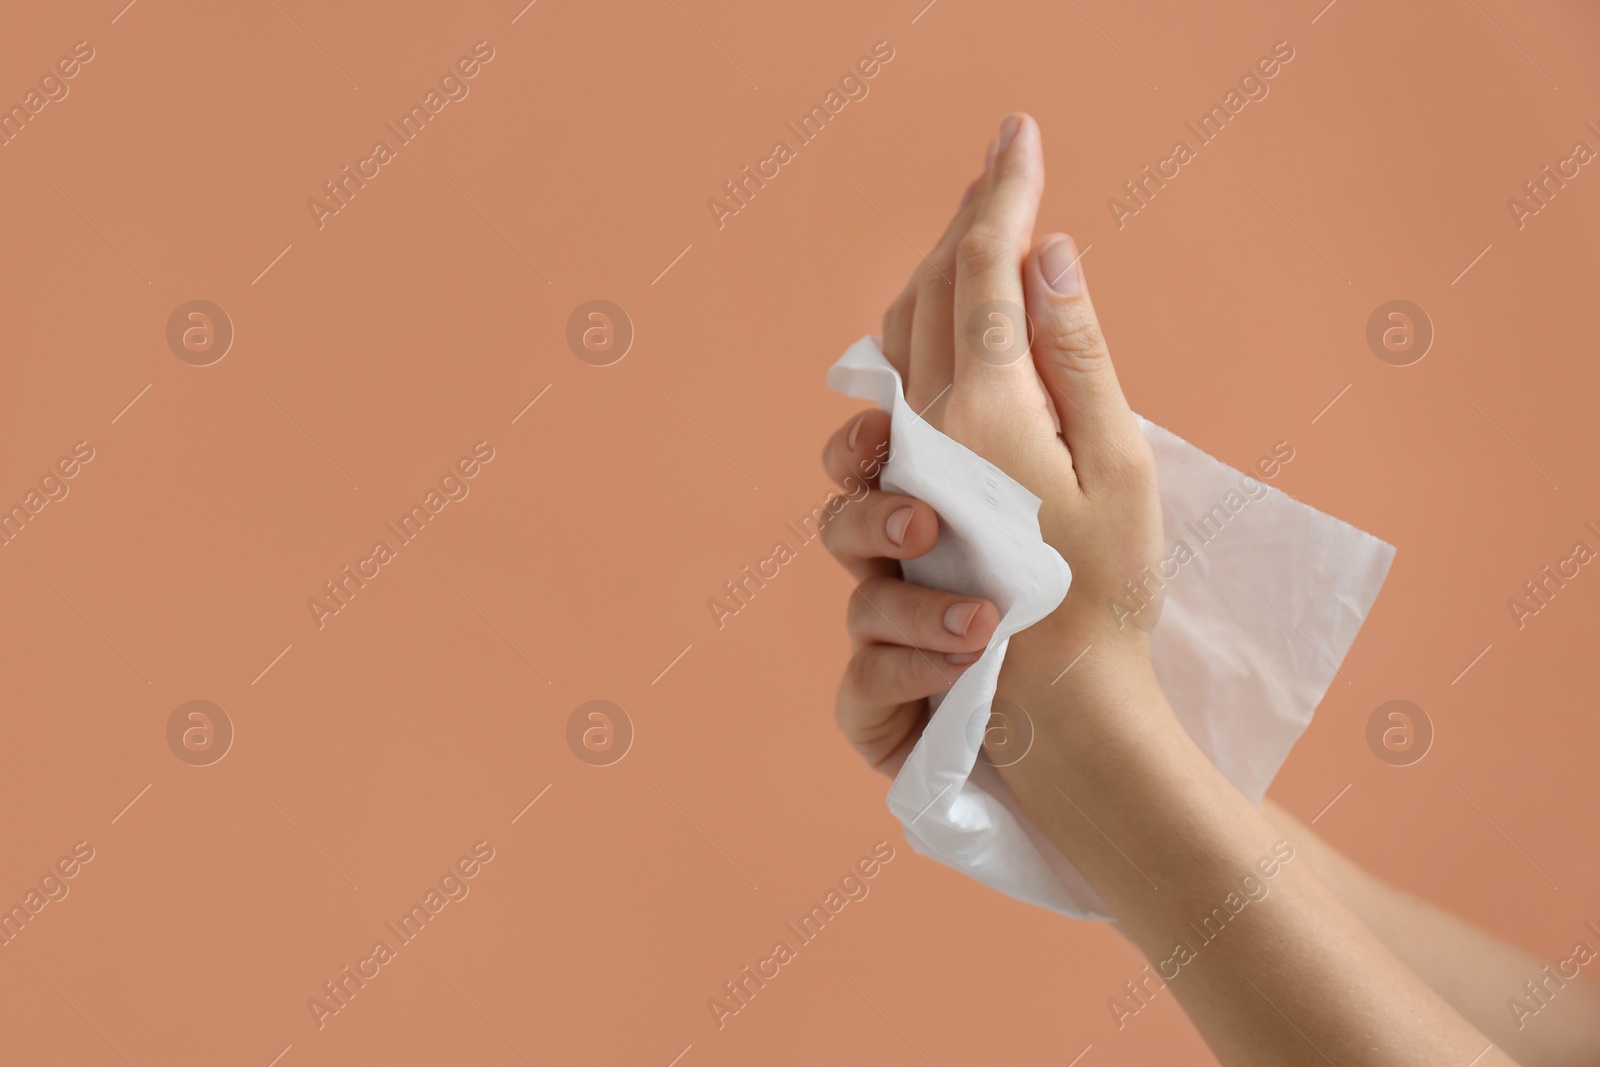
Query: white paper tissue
point(1252, 630)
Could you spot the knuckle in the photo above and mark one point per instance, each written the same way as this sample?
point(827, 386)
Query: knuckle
point(848, 712)
point(973, 418)
point(839, 532)
point(927, 616)
point(882, 674)
point(1076, 335)
point(902, 677)
point(859, 673)
point(933, 276)
point(852, 613)
point(981, 250)
point(862, 608)
point(928, 677)
point(830, 533)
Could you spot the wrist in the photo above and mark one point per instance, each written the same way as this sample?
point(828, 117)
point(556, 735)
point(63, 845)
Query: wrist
point(1106, 734)
point(1085, 701)
point(1060, 659)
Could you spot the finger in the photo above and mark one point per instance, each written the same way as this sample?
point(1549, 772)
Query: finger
point(1070, 354)
point(897, 331)
point(881, 677)
point(857, 450)
point(883, 735)
point(898, 318)
point(870, 532)
point(888, 610)
point(932, 344)
point(990, 330)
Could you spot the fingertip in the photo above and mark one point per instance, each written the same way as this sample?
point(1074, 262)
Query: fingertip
point(1043, 241)
point(984, 622)
point(1025, 126)
point(868, 433)
point(1019, 143)
point(973, 623)
point(857, 450)
point(921, 533)
point(1057, 263)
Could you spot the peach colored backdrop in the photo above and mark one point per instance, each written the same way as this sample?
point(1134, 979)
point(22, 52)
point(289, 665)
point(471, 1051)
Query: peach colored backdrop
point(375, 346)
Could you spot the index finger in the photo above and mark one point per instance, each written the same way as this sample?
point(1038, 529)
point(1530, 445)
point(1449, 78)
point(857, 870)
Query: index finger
point(857, 450)
point(991, 325)
point(868, 531)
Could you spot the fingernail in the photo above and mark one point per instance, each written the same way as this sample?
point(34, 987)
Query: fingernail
point(1008, 130)
point(898, 521)
point(855, 431)
point(966, 197)
point(1058, 262)
point(958, 618)
point(994, 150)
point(961, 659)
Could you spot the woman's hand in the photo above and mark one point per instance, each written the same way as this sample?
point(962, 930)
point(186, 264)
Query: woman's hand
point(909, 642)
point(1050, 414)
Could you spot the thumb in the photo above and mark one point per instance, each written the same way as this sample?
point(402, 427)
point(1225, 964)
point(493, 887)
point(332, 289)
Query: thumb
point(1070, 354)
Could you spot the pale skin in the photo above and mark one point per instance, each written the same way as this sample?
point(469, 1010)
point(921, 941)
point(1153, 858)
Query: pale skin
point(1333, 965)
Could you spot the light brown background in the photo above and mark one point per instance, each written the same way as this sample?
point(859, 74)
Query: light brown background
point(409, 328)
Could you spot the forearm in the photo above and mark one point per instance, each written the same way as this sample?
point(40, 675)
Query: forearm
point(1289, 977)
point(1478, 975)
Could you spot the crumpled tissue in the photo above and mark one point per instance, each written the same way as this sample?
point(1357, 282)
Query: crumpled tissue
point(1252, 630)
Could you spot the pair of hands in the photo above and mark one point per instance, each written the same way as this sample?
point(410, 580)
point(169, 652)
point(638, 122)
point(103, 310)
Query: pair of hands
point(1051, 414)
point(1036, 395)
